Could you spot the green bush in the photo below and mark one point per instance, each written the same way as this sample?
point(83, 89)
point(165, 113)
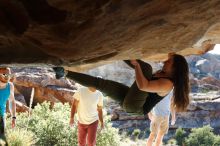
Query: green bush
point(202, 137)
point(108, 136)
point(136, 133)
point(51, 127)
point(20, 137)
point(172, 141)
point(180, 136)
point(204, 90)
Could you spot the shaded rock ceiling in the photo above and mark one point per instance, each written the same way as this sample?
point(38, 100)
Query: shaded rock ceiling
point(84, 33)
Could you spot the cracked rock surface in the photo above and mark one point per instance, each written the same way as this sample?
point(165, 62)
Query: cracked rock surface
point(83, 34)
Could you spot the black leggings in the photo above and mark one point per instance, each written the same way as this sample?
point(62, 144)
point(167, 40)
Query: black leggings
point(131, 98)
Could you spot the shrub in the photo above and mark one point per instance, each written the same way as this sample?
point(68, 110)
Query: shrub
point(136, 133)
point(108, 136)
point(20, 137)
point(51, 127)
point(202, 137)
point(172, 142)
point(180, 136)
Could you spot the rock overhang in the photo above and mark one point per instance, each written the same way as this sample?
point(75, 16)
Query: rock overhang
point(84, 34)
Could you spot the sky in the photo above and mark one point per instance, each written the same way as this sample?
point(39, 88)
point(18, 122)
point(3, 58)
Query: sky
point(216, 50)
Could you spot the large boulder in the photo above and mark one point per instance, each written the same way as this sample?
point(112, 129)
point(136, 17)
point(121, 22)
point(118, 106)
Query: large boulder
point(83, 34)
point(41, 85)
point(205, 65)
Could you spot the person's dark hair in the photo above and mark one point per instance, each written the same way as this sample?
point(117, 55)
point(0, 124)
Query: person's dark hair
point(180, 76)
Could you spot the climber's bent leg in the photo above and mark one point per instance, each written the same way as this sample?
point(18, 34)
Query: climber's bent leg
point(135, 98)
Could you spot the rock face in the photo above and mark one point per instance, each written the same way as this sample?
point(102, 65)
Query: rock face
point(205, 72)
point(42, 85)
point(205, 65)
point(73, 33)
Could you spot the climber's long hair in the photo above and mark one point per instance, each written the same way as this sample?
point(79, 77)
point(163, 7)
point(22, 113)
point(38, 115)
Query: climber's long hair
point(180, 77)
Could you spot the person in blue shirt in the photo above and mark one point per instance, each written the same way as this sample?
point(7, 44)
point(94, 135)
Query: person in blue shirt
point(6, 93)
